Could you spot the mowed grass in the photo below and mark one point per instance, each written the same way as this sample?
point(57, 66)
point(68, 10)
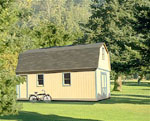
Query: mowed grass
point(132, 104)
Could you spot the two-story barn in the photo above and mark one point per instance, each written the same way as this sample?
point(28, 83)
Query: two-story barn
point(80, 72)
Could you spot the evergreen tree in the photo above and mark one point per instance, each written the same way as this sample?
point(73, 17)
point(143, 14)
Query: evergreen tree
point(47, 34)
point(142, 28)
point(114, 22)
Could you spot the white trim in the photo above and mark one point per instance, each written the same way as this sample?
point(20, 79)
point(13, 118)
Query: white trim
point(37, 83)
point(63, 79)
point(27, 86)
point(96, 84)
point(103, 69)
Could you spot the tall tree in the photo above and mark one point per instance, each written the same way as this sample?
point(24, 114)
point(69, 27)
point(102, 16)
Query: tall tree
point(142, 28)
point(8, 80)
point(13, 40)
point(47, 34)
point(113, 22)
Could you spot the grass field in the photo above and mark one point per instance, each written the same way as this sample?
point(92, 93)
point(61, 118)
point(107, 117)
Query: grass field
point(132, 104)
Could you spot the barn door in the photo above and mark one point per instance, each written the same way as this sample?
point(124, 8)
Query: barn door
point(104, 84)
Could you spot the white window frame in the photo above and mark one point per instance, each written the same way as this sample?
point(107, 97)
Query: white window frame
point(37, 80)
point(63, 78)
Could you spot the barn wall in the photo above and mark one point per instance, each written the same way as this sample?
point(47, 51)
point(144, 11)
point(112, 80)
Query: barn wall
point(104, 64)
point(22, 88)
point(103, 68)
point(82, 86)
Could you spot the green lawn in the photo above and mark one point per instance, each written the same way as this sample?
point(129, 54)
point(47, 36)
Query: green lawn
point(132, 104)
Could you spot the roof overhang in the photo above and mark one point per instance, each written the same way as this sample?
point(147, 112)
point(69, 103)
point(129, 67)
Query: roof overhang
point(54, 71)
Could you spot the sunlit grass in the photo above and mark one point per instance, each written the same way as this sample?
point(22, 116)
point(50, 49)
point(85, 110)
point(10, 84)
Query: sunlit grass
point(132, 104)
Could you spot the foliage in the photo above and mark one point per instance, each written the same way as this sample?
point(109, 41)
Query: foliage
point(67, 13)
point(123, 26)
point(47, 34)
point(8, 84)
point(142, 28)
point(8, 55)
point(147, 76)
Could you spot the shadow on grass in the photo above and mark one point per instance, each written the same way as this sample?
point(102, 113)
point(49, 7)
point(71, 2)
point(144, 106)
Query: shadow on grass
point(63, 102)
point(146, 89)
point(33, 116)
point(130, 95)
point(126, 100)
point(145, 84)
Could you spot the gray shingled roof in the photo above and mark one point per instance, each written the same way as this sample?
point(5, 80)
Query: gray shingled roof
point(56, 59)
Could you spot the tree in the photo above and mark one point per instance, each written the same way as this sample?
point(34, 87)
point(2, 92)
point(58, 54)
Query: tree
point(13, 40)
point(142, 28)
point(47, 34)
point(65, 13)
point(113, 22)
point(8, 80)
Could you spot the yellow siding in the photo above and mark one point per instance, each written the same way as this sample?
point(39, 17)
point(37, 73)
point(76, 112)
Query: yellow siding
point(23, 92)
point(82, 86)
point(104, 64)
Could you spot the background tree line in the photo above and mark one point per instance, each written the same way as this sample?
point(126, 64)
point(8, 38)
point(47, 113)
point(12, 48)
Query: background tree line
point(124, 25)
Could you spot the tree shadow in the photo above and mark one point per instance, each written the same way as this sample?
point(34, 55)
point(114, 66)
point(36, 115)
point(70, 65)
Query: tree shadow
point(145, 84)
point(146, 89)
point(131, 99)
point(33, 116)
point(63, 102)
point(143, 96)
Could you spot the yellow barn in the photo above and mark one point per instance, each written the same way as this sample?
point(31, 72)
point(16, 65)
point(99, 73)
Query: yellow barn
point(79, 73)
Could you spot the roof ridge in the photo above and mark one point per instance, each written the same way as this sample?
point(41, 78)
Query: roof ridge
point(66, 47)
point(72, 45)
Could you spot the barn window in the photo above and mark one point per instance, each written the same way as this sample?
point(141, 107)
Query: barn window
point(103, 53)
point(40, 79)
point(66, 79)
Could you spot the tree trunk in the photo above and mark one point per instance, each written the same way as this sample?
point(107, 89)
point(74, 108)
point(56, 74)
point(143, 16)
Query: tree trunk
point(117, 83)
point(140, 78)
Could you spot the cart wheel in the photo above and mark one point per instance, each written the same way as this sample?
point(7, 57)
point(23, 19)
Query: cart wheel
point(47, 98)
point(33, 98)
